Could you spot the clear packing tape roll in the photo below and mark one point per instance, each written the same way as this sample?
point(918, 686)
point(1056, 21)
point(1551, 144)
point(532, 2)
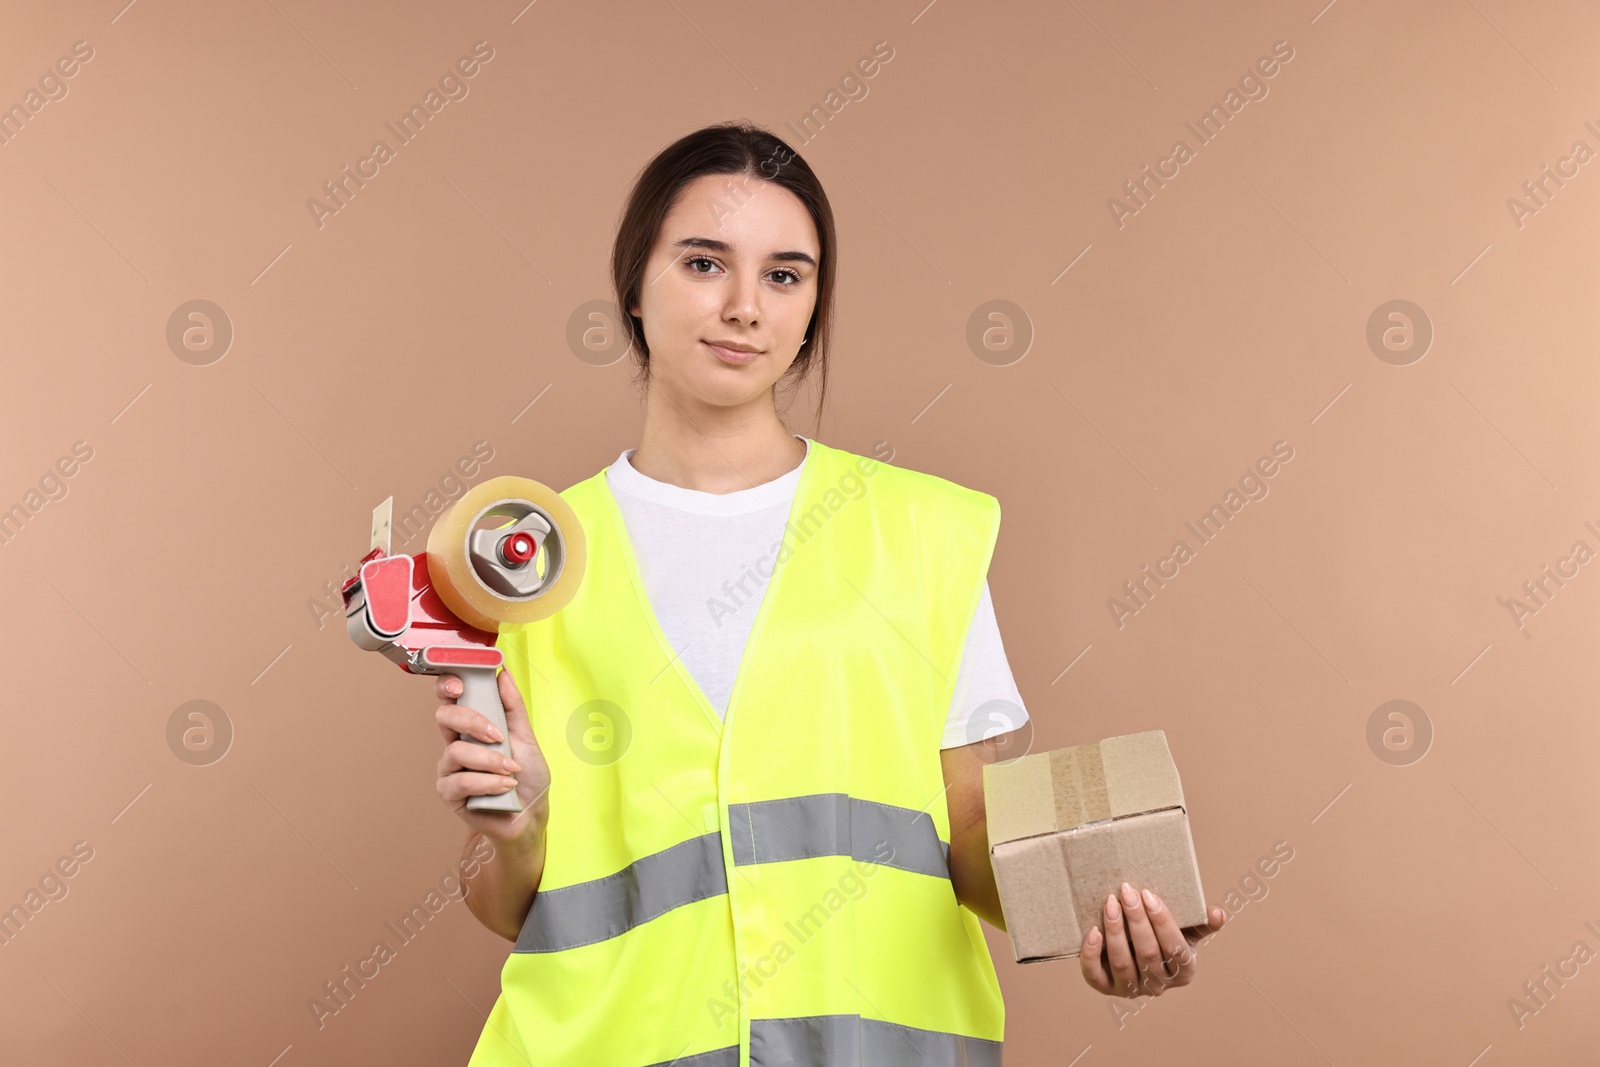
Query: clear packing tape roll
point(455, 575)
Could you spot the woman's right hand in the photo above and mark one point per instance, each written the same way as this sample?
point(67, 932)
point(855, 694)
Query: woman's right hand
point(468, 769)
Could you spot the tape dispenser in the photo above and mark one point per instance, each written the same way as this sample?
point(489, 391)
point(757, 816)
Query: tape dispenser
point(509, 551)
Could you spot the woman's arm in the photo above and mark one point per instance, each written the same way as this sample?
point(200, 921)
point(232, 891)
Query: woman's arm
point(502, 891)
point(970, 870)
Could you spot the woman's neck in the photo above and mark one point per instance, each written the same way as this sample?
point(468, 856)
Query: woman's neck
point(716, 459)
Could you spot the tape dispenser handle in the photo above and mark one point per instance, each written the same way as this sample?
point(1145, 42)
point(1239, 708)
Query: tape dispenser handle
point(480, 691)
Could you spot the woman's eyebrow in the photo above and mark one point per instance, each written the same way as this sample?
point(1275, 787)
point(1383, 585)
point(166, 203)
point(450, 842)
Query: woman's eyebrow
point(713, 245)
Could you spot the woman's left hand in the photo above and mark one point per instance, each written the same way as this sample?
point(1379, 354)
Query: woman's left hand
point(1143, 951)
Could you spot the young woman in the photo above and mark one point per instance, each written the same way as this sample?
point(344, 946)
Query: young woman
point(750, 757)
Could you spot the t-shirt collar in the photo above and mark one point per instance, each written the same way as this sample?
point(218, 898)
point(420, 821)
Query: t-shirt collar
point(624, 477)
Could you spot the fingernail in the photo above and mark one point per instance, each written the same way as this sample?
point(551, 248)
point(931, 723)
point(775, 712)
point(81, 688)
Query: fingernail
point(513, 766)
point(1151, 904)
point(1094, 937)
point(496, 735)
point(1129, 897)
point(510, 783)
point(1113, 912)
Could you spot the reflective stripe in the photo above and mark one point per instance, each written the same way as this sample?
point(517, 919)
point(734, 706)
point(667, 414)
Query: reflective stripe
point(837, 824)
point(717, 1057)
point(835, 1040)
point(766, 831)
point(847, 1041)
point(593, 911)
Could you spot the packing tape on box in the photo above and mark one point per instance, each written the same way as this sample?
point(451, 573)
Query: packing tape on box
point(1094, 863)
point(1078, 778)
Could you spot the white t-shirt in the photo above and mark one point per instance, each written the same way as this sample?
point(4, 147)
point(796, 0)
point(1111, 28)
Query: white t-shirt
point(698, 553)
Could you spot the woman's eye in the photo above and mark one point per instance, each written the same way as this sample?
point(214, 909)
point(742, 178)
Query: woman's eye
point(788, 277)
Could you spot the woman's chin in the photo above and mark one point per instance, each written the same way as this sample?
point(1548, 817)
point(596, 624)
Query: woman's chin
point(707, 391)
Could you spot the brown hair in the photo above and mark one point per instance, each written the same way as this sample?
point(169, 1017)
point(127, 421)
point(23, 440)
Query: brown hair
point(737, 147)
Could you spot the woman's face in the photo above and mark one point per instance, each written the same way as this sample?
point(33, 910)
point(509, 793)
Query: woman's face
point(735, 262)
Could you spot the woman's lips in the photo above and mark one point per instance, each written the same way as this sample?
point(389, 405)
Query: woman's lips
point(728, 355)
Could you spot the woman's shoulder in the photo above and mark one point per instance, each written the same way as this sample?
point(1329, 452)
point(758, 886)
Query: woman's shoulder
point(879, 469)
point(927, 500)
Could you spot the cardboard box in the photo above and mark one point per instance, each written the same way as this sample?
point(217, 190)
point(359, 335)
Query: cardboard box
point(1068, 826)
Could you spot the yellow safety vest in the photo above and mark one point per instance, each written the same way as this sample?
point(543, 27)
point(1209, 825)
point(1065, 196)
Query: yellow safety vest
point(772, 889)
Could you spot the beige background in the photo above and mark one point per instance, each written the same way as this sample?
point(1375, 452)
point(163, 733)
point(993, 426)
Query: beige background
point(1229, 313)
